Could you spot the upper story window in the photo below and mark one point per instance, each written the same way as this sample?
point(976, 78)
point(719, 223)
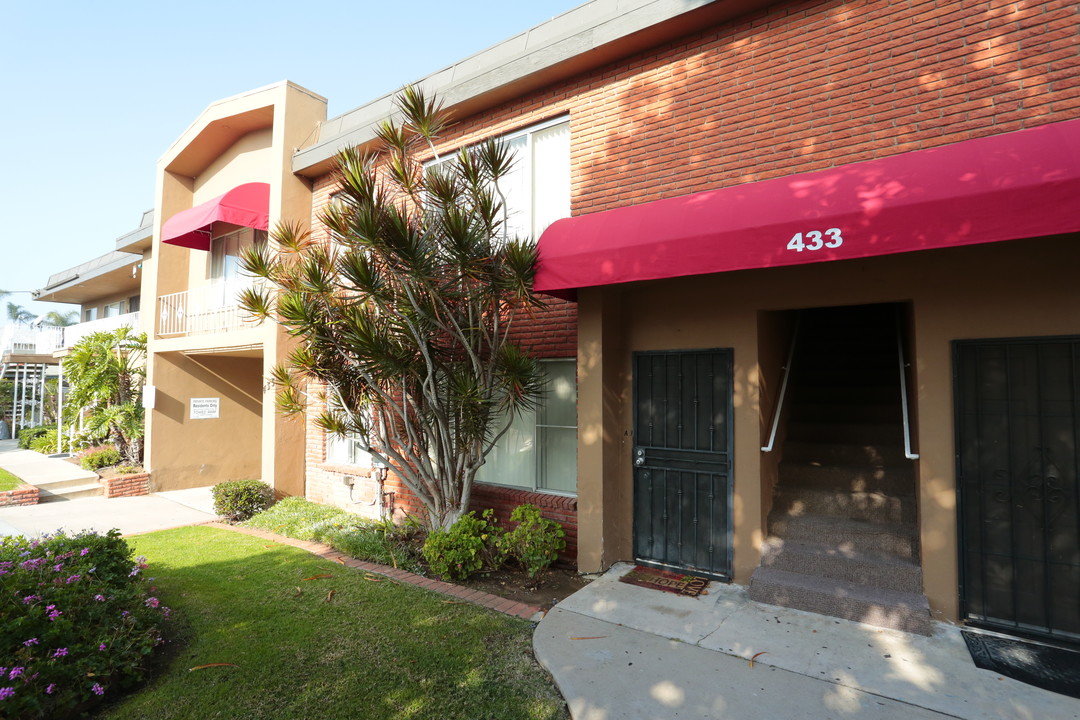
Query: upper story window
point(537, 190)
point(114, 309)
point(225, 253)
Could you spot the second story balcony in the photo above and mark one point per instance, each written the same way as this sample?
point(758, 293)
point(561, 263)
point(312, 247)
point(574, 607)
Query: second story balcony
point(75, 333)
point(210, 309)
point(21, 339)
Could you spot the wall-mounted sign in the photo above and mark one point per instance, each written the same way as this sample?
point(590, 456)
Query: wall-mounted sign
point(205, 408)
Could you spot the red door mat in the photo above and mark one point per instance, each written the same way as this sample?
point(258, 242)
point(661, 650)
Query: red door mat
point(666, 580)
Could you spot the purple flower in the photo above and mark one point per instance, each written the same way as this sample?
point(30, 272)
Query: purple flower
point(152, 602)
point(15, 672)
point(124, 614)
point(101, 647)
point(31, 641)
point(134, 572)
point(97, 689)
point(54, 614)
point(49, 690)
point(7, 692)
point(99, 598)
point(30, 598)
point(73, 579)
point(84, 552)
point(60, 652)
point(58, 567)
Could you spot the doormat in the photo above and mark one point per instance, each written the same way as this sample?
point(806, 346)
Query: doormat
point(666, 580)
point(1045, 666)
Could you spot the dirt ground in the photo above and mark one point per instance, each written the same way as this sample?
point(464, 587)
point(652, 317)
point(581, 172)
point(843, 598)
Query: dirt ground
point(545, 590)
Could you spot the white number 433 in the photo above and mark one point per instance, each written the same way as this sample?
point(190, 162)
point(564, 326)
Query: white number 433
point(815, 240)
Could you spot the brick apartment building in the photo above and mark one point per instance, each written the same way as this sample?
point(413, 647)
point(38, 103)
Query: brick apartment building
point(813, 326)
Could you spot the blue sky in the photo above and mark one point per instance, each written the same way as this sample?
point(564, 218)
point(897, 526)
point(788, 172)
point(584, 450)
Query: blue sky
point(94, 93)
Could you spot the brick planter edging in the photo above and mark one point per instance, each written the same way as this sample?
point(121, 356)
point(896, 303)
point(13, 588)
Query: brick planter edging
point(476, 597)
point(126, 485)
point(23, 495)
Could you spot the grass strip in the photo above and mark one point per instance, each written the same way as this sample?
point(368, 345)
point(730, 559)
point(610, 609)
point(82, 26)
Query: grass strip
point(8, 481)
point(277, 633)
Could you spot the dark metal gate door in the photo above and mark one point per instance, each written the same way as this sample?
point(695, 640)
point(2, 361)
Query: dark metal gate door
point(1018, 429)
point(682, 461)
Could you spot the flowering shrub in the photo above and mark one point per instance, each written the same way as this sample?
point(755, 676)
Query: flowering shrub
point(77, 622)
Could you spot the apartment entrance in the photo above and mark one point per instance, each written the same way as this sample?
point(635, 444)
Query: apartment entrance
point(682, 461)
point(843, 528)
point(1018, 430)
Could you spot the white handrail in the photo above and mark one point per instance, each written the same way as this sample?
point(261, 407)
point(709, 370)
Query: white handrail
point(903, 390)
point(783, 388)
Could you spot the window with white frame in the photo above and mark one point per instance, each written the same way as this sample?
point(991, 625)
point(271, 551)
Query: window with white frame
point(224, 271)
point(114, 309)
point(537, 189)
point(539, 451)
point(348, 450)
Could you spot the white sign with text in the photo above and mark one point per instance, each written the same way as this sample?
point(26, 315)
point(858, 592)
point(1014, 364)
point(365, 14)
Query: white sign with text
point(205, 408)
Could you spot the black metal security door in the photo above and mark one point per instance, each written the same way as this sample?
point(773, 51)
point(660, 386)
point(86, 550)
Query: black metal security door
point(682, 461)
point(1018, 431)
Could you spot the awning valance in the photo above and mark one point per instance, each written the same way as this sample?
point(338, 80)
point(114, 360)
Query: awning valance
point(1015, 185)
point(245, 205)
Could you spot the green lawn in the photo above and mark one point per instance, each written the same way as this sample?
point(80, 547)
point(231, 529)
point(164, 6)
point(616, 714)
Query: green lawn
point(8, 481)
point(374, 650)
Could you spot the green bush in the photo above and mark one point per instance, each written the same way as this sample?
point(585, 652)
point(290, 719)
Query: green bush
point(46, 443)
point(465, 548)
point(99, 457)
point(29, 434)
point(77, 623)
point(238, 500)
point(535, 542)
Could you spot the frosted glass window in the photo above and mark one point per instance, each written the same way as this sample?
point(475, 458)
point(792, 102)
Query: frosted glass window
point(347, 451)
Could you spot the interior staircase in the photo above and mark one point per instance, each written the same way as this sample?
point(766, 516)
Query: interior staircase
point(843, 533)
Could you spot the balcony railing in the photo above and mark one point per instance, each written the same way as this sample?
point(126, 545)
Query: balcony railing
point(210, 309)
point(23, 339)
point(75, 333)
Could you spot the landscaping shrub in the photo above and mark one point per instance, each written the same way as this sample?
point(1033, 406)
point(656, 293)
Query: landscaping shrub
point(77, 622)
point(535, 542)
point(465, 548)
point(29, 434)
point(45, 443)
point(99, 457)
point(238, 500)
point(375, 541)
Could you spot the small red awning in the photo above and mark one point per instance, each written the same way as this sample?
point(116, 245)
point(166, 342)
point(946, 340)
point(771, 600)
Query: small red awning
point(1016, 185)
point(245, 205)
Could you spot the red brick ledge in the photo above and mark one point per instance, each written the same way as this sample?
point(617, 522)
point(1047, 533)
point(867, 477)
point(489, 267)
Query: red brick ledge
point(131, 485)
point(24, 494)
point(476, 597)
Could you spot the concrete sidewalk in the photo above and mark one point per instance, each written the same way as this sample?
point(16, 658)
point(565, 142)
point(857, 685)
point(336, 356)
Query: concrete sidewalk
point(618, 651)
point(50, 475)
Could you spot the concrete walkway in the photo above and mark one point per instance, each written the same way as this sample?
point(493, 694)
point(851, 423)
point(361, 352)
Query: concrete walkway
point(621, 652)
point(46, 473)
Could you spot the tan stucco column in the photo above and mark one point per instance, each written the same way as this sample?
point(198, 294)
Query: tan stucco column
point(605, 494)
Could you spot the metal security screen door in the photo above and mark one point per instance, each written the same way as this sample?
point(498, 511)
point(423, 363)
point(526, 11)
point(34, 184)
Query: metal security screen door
point(1018, 430)
point(682, 461)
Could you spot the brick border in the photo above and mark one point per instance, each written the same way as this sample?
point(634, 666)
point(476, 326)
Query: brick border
point(130, 485)
point(25, 494)
point(475, 597)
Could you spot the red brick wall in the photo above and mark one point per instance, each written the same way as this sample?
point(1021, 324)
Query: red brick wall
point(22, 495)
point(561, 508)
point(126, 485)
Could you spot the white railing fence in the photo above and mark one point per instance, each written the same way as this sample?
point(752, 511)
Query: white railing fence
point(209, 309)
point(23, 339)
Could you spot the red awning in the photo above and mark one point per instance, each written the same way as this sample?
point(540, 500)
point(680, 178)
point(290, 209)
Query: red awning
point(1016, 185)
point(245, 205)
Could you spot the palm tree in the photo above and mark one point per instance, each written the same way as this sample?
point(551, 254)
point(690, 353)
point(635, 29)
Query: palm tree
point(18, 314)
point(60, 319)
point(106, 371)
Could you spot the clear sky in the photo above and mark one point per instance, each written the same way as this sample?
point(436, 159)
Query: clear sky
point(95, 92)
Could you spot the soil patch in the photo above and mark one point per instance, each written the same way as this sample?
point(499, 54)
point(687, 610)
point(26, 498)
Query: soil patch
point(546, 590)
point(111, 472)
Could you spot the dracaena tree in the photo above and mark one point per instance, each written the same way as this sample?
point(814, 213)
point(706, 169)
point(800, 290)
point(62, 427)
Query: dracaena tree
point(403, 321)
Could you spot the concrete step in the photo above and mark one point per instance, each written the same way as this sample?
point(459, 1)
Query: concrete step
point(50, 494)
point(72, 480)
point(852, 433)
point(840, 562)
point(896, 480)
point(857, 505)
point(896, 539)
point(864, 454)
point(909, 612)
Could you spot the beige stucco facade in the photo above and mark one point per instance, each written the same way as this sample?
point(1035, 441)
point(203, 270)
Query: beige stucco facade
point(219, 353)
point(1021, 288)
